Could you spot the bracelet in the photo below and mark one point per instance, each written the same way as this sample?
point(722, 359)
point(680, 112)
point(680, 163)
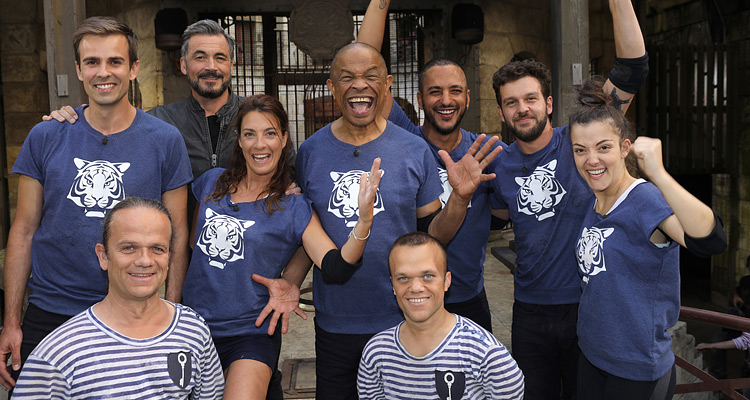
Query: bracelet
point(358, 238)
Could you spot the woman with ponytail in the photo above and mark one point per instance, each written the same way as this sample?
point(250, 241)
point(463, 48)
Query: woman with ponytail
point(628, 255)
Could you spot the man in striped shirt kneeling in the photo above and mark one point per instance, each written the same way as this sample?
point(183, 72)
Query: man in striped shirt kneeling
point(433, 354)
point(132, 344)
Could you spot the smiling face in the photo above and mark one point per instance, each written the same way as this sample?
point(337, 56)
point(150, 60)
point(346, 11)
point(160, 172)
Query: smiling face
point(524, 109)
point(105, 69)
point(444, 98)
point(600, 155)
point(262, 142)
point(419, 278)
point(358, 83)
point(137, 257)
point(208, 65)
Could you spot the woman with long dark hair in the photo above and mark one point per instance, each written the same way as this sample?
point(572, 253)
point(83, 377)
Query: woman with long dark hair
point(246, 225)
point(628, 255)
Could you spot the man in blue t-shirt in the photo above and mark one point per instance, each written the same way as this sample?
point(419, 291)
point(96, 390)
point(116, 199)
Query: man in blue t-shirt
point(71, 176)
point(540, 190)
point(348, 314)
point(444, 97)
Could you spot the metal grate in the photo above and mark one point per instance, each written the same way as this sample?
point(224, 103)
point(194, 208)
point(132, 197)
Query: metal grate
point(268, 62)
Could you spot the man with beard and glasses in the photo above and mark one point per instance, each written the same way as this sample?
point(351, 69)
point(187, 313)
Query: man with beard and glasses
point(444, 97)
point(540, 190)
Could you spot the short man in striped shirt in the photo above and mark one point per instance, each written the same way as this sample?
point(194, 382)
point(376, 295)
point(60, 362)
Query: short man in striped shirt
point(433, 353)
point(132, 344)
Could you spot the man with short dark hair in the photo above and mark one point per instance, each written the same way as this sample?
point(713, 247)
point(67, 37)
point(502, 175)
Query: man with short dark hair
point(132, 343)
point(433, 353)
point(70, 178)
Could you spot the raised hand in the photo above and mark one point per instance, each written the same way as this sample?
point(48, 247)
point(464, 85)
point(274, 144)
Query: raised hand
point(465, 175)
point(283, 299)
point(647, 151)
point(368, 191)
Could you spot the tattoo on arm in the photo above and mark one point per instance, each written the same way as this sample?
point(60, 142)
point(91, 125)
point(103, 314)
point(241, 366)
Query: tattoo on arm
point(383, 4)
point(616, 102)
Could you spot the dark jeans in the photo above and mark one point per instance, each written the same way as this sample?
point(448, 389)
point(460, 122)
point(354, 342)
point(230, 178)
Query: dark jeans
point(476, 309)
point(336, 364)
point(595, 384)
point(545, 346)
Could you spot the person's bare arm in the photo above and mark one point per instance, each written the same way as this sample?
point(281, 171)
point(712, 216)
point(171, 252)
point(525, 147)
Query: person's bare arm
point(175, 201)
point(628, 44)
point(17, 270)
point(725, 345)
point(371, 32)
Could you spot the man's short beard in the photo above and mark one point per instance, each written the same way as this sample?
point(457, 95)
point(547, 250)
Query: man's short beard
point(208, 93)
point(531, 135)
point(443, 131)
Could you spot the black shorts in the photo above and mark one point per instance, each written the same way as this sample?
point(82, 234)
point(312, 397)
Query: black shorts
point(262, 347)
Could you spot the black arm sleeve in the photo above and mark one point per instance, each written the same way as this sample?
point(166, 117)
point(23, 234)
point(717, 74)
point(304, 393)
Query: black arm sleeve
point(424, 223)
point(714, 243)
point(629, 73)
point(335, 269)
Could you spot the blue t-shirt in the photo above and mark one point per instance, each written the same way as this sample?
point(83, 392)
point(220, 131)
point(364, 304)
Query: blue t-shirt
point(546, 198)
point(328, 172)
point(631, 287)
point(232, 245)
point(467, 249)
point(84, 174)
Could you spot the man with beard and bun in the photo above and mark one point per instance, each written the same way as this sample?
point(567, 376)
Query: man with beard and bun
point(444, 97)
point(540, 190)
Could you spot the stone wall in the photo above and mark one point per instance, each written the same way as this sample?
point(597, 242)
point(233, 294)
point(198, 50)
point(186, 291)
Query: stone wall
point(699, 22)
point(24, 77)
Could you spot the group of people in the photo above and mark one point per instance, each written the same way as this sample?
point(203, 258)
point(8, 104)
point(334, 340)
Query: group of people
point(395, 218)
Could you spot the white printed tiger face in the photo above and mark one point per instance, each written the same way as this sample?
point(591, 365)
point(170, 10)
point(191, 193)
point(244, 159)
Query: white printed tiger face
point(222, 238)
point(540, 192)
point(98, 186)
point(343, 201)
point(447, 188)
point(590, 251)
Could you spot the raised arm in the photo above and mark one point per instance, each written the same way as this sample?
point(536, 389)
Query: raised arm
point(691, 217)
point(371, 32)
point(628, 73)
point(175, 201)
point(17, 270)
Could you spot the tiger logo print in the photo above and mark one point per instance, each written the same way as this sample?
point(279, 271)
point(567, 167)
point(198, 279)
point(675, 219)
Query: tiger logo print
point(345, 193)
point(540, 192)
point(97, 186)
point(447, 188)
point(222, 238)
point(590, 251)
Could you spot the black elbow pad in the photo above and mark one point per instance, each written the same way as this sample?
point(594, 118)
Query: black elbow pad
point(714, 243)
point(335, 269)
point(629, 73)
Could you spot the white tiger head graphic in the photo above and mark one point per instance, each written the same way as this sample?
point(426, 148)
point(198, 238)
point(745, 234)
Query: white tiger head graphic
point(540, 192)
point(221, 238)
point(343, 201)
point(589, 251)
point(98, 186)
point(447, 188)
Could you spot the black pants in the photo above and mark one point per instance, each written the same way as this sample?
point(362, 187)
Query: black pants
point(476, 309)
point(336, 364)
point(595, 384)
point(545, 346)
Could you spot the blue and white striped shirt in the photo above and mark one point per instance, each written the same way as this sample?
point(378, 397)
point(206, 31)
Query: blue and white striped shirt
point(84, 358)
point(470, 358)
